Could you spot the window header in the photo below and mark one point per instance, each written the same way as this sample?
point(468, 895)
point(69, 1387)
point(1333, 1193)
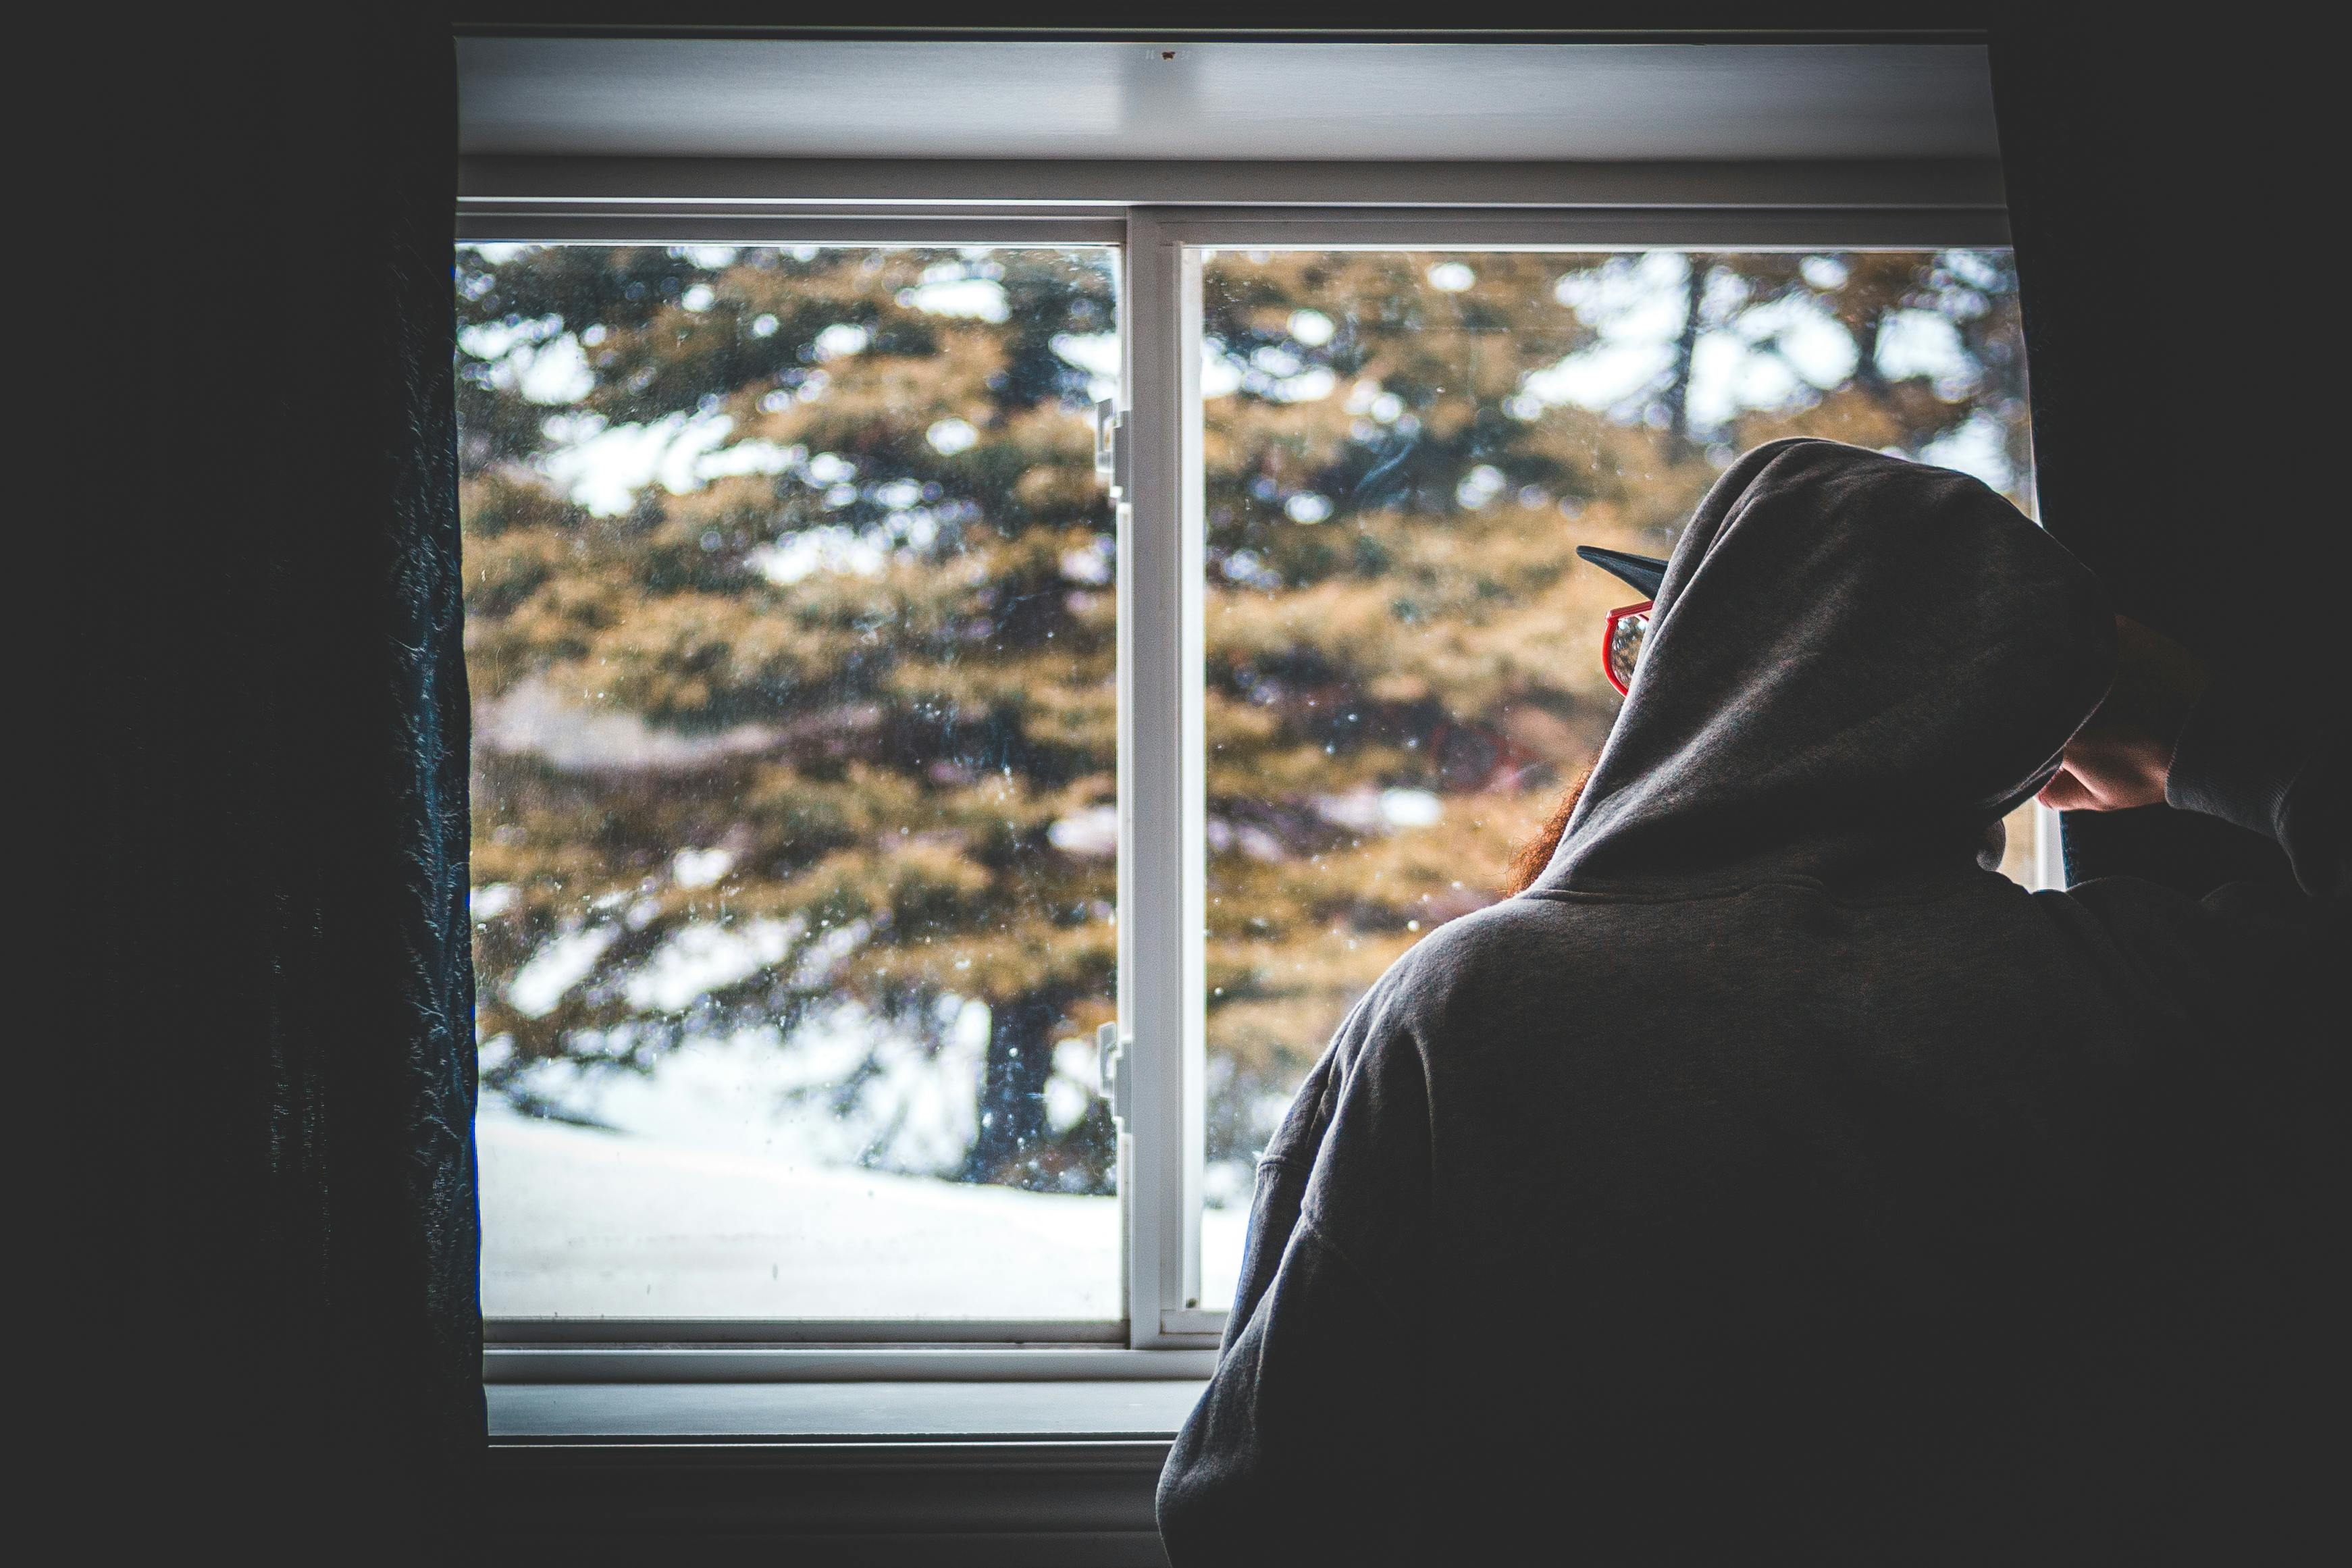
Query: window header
point(1220, 100)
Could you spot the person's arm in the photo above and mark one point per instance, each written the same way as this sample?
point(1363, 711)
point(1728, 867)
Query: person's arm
point(1303, 1447)
point(2123, 754)
point(1300, 1450)
point(2168, 733)
point(2271, 766)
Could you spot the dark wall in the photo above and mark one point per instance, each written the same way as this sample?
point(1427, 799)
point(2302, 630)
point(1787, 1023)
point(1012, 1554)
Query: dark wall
point(2162, 188)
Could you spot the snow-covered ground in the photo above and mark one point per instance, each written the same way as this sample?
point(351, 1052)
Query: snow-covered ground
point(708, 1196)
point(582, 1223)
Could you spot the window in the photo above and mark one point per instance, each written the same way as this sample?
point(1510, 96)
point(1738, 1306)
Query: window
point(846, 758)
point(1398, 451)
point(791, 632)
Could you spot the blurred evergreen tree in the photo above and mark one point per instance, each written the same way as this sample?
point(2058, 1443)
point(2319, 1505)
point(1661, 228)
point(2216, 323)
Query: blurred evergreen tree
point(844, 692)
point(846, 697)
point(1402, 648)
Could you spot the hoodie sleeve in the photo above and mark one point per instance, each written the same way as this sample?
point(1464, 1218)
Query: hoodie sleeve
point(2276, 769)
point(2255, 967)
point(1298, 1451)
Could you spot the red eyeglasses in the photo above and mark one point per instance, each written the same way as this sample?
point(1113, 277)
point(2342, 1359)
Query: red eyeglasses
point(1620, 645)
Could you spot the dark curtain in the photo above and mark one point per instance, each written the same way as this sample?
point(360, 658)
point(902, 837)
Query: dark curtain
point(278, 1272)
point(2162, 188)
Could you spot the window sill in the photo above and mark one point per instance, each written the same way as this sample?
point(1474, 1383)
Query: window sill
point(901, 1475)
point(1126, 1410)
point(643, 1365)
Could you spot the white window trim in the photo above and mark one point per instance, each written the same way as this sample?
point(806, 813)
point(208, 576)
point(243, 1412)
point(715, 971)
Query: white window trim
point(741, 188)
point(1163, 860)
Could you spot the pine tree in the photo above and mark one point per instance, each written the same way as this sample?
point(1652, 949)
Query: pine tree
point(834, 718)
point(1402, 646)
point(855, 683)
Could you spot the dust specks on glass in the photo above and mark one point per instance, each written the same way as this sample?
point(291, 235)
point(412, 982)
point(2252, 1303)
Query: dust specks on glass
point(791, 626)
point(1402, 451)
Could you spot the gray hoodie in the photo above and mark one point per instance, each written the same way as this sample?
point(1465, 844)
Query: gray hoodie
point(1773, 1181)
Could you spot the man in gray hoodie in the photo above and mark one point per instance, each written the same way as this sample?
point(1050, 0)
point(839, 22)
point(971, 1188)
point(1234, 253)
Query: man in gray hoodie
point(1772, 1181)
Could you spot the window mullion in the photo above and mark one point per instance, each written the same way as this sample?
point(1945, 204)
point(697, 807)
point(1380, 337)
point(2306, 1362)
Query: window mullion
point(1180, 1306)
point(1160, 858)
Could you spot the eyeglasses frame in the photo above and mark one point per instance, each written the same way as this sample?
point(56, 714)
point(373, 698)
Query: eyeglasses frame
point(1608, 641)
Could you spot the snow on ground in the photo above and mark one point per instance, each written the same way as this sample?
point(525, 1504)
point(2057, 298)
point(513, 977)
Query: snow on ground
point(845, 1092)
point(581, 1222)
point(696, 1209)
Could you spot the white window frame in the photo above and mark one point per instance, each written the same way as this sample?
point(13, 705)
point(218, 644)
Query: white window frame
point(1169, 214)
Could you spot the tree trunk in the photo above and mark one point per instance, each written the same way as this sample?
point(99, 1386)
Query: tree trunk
point(1677, 399)
point(1013, 1093)
point(1866, 374)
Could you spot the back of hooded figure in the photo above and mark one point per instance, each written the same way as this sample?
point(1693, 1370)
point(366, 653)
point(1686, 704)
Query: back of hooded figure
point(1773, 1181)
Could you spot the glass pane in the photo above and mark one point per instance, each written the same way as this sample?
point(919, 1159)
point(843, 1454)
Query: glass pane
point(2025, 858)
point(1400, 452)
point(790, 631)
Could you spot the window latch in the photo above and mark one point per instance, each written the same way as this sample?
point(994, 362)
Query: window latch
point(1111, 1069)
point(1111, 447)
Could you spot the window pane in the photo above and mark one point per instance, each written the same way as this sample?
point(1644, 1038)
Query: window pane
point(1400, 452)
point(791, 634)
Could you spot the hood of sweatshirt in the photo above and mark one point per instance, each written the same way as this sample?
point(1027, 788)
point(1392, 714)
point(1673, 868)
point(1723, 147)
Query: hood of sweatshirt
point(1855, 668)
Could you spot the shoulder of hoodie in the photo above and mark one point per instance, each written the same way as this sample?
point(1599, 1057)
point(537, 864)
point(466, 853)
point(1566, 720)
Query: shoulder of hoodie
point(2209, 958)
point(1591, 937)
point(1536, 959)
point(1469, 967)
point(1393, 1024)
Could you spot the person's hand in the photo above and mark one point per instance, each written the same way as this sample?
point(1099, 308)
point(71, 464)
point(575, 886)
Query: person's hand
point(2122, 756)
